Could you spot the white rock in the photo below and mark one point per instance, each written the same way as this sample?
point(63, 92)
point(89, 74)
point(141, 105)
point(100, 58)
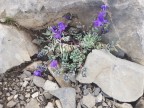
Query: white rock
point(89, 100)
point(99, 98)
point(15, 47)
point(15, 96)
point(124, 105)
point(58, 104)
point(49, 85)
point(1, 106)
point(66, 95)
point(35, 94)
point(119, 78)
point(27, 73)
point(10, 97)
point(38, 81)
point(49, 105)
point(11, 103)
point(27, 95)
point(25, 83)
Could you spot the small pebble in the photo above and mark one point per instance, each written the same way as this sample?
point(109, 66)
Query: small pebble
point(22, 102)
point(11, 104)
point(41, 90)
point(99, 98)
point(27, 79)
point(85, 92)
point(27, 95)
point(49, 105)
point(10, 98)
point(15, 96)
point(27, 73)
point(96, 91)
point(35, 94)
point(1, 106)
point(13, 92)
point(25, 83)
point(47, 95)
point(58, 104)
point(21, 97)
point(7, 94)
point(0, 93)
point(28, 100)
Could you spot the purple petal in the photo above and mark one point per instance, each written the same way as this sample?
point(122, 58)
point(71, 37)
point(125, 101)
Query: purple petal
point(57, 36)
point(38, 73)
point(53, 29)
point(97, 23)
point(61, 26)
point(104, 7)
point(101, 17)
point(54, 63)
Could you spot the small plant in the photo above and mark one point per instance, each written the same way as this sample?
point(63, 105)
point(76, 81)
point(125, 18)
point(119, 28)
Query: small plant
point(9, 20)
point(67, 47)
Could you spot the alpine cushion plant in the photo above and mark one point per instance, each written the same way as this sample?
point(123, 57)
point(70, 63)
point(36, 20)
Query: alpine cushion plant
point(67, 50)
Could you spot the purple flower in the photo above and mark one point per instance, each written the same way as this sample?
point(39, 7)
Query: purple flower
point(38, 73)
point(54, 63)
point(101, 17)
point(100, 20)
point(104, 7)
point(54, 29)
point(57, 35)
point(61, 26)
point(97, 23)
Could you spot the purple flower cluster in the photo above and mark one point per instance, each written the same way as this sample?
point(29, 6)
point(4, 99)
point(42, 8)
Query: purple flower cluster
point(101, 17)
point(38, 72)
point(57, 30)
point(54, 64)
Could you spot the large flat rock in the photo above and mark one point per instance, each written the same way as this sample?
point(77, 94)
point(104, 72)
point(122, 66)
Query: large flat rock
point(38, 13)
point(121, 79)
point(127, 27)
point(15, 47)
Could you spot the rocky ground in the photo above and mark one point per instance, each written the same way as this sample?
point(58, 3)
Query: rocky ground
point(19, 88)
point(121, 79)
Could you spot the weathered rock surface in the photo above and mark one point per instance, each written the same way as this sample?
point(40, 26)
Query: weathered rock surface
point(120, 79)
point(49, 85)
point(15, 47)
point(36, 13)
point(59, 78)
point(89, 101)
point(127, 27)
point(38, 81)
point(66, 96)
